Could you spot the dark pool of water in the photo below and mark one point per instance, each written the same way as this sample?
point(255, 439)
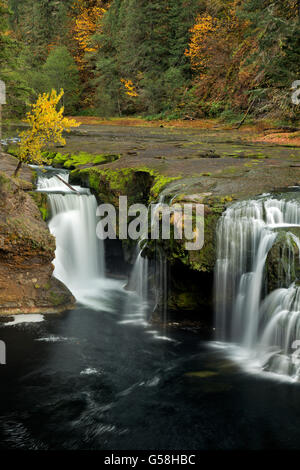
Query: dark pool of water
point(84, 381)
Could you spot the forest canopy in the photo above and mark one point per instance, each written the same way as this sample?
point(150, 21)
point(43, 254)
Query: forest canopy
point(155, 58)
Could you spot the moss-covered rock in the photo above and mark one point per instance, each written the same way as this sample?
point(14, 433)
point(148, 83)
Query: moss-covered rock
point(41, 201)
point(140, 184)
point(283, 262)
point(202, 260)
point(80, 160)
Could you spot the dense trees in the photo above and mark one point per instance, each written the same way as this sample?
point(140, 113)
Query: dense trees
point(5, 41)
point(171, 58)
point(277, 56)
point(144, 41)
point(11, 65)
point(60, 72)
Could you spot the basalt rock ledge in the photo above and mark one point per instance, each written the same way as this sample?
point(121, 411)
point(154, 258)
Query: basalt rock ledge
point(27, 250)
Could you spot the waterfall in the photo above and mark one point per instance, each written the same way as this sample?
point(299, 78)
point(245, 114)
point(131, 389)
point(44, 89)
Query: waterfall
point(137, 308)
point(265, 324)
point(79, 256)
point(139, 281)
point(148, 279)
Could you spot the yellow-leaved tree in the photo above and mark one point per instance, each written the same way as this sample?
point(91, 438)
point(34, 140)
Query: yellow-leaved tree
point(46, 126)
point(87, 21)
point(204, 27)
point(130, 88)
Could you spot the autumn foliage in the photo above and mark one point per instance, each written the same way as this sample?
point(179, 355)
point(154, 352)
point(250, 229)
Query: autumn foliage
point(161, 59)
point(86, 21)
point(130, 88)
point(46, 126)
point(198, 48)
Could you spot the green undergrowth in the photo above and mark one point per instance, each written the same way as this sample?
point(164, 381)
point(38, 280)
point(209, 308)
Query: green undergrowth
point(41, 201)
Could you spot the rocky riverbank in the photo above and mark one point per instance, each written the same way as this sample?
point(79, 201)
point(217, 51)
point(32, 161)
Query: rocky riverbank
point(26, 251)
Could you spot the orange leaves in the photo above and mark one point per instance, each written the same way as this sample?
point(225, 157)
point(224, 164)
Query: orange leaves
point(218, 50)
point(130, 88)
point(204, 26)
point(85, 27)
point(213, 40)
point(46, 125)
point(87, 21)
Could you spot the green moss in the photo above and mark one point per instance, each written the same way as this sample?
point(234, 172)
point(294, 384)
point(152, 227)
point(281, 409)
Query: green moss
point(74, 161)
point(160, 183)
point(41, 201)
point(140, 184)
point(186, 300)
point(202, 375)
point(57, 299)
point(230, 170)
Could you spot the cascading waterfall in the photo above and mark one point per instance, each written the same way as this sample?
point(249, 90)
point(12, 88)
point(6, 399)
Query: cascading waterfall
point(144, 273)
point(79, 261)
point(139, 279)
point(161, 275)
point(137, 303)
point(264, 324)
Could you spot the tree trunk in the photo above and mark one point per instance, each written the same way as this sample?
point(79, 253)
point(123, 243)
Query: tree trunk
point(248, 111)
point(17, 170)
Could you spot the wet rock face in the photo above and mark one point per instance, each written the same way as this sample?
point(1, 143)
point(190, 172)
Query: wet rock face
point(283, 262)
point(26, 254)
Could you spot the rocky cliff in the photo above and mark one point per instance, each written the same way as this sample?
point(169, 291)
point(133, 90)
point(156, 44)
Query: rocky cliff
point(26, 254)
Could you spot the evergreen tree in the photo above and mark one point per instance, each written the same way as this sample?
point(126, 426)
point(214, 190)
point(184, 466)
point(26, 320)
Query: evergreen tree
point(41, 24)
point(6, 43)
point(276, 25)
point(60, 72)
point(12, 67)
point(145, 41)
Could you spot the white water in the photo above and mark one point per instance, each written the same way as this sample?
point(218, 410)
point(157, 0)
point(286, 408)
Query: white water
point(139, 278)
point(148, 281)
point(264, 325)
point(26, 318)
point(138, 286)
point(79, 256)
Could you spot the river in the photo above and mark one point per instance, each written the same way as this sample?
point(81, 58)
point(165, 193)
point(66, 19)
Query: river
point(102, 377)
point(85, 380)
